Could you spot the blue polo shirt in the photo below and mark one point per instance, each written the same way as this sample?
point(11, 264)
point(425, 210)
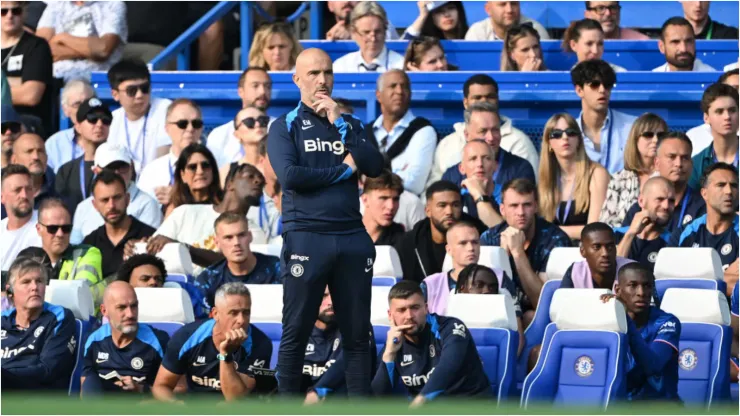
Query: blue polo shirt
point(642, 251)
point(690, 207)
point(696, 235)
point(614, 135)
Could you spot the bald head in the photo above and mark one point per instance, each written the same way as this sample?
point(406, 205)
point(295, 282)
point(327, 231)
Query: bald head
point(313, 75)
point(655, 184)
point(658, 198)
point(29, 150)
point(116, 290)
point(121, 307)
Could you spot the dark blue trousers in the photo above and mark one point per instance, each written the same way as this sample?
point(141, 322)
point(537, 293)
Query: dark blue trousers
point(310, 262)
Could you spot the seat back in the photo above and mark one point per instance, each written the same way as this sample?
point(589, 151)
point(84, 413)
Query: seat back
point(178, 277)
point(490, 257)
point(267, 249)
point(169, 327)
point(176, 259)
point(164, 305)
point(71, 294)
point(688, 263)
point(560, 259)
point(535, 332)
point(387, 263)
point(267, 303)
point(274, 331)
point(384, 281)
point(661, 285)
point(379, 306)
point(704, 346)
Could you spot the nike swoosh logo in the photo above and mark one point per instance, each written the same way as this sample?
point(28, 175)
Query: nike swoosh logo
point(309, 353)
point(306, 127)
point(367, 269)
point(199, 364)
point(99, 361)
point(405, 364)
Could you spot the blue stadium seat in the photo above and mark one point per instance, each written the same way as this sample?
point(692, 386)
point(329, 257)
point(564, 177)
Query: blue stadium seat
point(661, 285)
point(387, 266)
point(691, 268)
point(169, 327)
point(561, 258)
point(384, 280)
point(583, 354)
point(535, 332)
point(274, 331)
point(705, 344)
point(165, 308)
point(734, 392)
point(178, 277)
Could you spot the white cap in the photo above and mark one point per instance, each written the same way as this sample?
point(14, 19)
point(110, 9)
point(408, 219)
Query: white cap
point(108, 153)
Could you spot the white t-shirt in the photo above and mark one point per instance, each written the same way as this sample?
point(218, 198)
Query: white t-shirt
point(13, 242)
point(158, 173)
point(699, 66)
point(264, 222)
point(142, 146)
point(191, 224)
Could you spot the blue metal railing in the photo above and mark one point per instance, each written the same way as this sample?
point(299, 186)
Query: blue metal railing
point(180, 47)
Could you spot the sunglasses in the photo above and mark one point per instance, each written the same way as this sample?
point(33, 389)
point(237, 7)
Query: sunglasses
point(193, 167)
point(596, 84)
point(558, 134)
point(131, 90)
point(52, 229)
point(651, 134)
point(250, 122)
point(93, 118)
point(15, 11)
point(183, 124)
point(14, 127)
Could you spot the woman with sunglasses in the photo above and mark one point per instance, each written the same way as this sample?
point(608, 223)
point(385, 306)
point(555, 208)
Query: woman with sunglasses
point(426, 54)
point(250, 127)
point(585, 38)
point(196, 179)
point(571, 187)
point(522, 50)
point(438, 19)
point(184, 126)
point(275, 47)
point(639, 159)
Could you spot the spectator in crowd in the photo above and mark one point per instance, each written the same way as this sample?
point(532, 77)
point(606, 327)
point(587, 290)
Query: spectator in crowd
point(426, 54)
point(228, 345)
point(369, 24)
point(406, 141)
point(64, 145)
point(572, 187)
point(184, 126)
point(340, 26)
point(130, 350)
point(502, 16)
point(410, 208)
point(39, 338)
point(528, 239)
point(608, 14)
point(673, 162)
point(255, 89)
point(585, 38)
point(84, 37)
point(12, 127)
point(111, 201)
point(413, 334)
point(601, 264)
point(647, 234)
point(481, 88)
point(652, 337)
point(274, 47)
point(29, 151)
point(380, 197)
point(251, 129)
point(718, 228)
point(720, 107)
point(522, 50)
point(483, 122)
point(266, 224)
point(27, 65)
point(440, 20)
point(192, 224)
point(422, 249)
point(697, 13)
point(734, 318)
point(92, 125)
point(479, 190)
point(678, 43)
point(139, 205)
point(605, 131)
point(149, 33)
point(639, 165)
point(240, 265)
point(19, 227)
point(701, 136)
point(141, 119)
point(196, 179)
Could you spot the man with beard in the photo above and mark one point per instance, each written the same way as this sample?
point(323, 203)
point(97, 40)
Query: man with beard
point(111, 200)
point(678, 43)
point(433, 355)
point(123, 354)
point(29, 151)
point(19, 227)
point(647, 234)
point(608, 14)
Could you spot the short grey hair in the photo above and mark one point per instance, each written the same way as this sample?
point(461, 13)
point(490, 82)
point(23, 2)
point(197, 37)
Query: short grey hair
point(381, 77)
point(23, 265)
point(233, 288)
point(368, 8)
point(75, 85)
point(481, 107)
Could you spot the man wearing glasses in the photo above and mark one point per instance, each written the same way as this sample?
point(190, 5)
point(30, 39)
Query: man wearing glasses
point(608, 14)
point(63, 145)
point(139, 124)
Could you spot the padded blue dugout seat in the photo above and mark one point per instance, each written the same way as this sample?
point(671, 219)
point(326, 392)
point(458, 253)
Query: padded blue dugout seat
point(165, 308)
point(690, 268)
point(705, 344)
point(535, 332)
point(178, 278)
point(583, 356)
point(561, 258)
point(387, 266)
point(267, 314)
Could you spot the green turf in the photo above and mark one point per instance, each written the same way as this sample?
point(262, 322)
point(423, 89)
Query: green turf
point(204, 405)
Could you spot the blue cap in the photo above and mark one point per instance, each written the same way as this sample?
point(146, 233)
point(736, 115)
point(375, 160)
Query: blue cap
point(9, 115)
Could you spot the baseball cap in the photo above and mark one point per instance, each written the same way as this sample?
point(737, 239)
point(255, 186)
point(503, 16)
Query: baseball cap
point(90, 106)
point(9, 115)
point(434, 5)
point(109, 153)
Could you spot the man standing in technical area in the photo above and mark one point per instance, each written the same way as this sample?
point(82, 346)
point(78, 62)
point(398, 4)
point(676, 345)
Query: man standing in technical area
point(316, 153)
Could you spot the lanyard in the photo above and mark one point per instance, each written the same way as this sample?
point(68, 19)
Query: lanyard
point(608, 139)
point(74, 144)
point(172, 174)
point(734, 162)
point(83, 188)
point(567, 204)
point(263, 211)
point(142, 134)
point(683, 206)
point(710, 31)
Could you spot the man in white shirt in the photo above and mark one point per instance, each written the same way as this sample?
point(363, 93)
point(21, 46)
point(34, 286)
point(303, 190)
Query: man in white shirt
point(84, 36)
point(141, 206)
point(481, 88)
point(265, 223)
point(254, 89)
point(369, 24)
point(62, 146)
point(502, 16)
point(19, 227)
point(139, 123)
point(340, 29)
point(678, 43)
point(407, 141)
point(701, 136)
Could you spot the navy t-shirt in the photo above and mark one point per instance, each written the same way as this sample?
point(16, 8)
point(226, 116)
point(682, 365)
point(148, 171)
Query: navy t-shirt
point(266, 271)
point(696, 235)
point(690, 207)
point(642, 251)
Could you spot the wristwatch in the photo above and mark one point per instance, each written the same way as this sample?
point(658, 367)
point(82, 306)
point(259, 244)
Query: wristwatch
point(484, 198)
point(225, 357)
